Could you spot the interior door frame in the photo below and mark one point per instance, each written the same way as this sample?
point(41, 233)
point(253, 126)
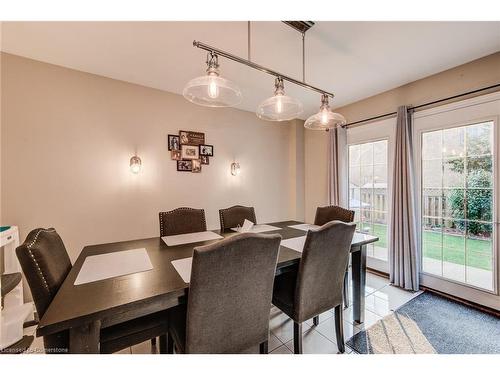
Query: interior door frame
point(467, 112)
point(377, 131)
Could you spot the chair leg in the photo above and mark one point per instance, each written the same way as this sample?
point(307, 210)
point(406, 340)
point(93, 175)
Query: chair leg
point(297, 338)
point(316, 320)
point(169, 344)
point(163, 344)
point(263, 347)
point(339, 327)
point(153, 341)
point(346, 290)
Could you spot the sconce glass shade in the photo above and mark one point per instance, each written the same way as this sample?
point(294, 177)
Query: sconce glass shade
point(235, 169)
point(212, 90)
point(135, 164)
point(325, 119)
point(279, 107)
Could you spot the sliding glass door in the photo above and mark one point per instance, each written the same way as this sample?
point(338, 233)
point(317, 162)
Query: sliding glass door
point(457, 204)
point(370, 157)
point(368, 193)
point(457, 168)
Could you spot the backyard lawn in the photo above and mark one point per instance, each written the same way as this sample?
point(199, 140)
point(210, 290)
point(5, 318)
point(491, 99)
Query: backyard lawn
point(478, 251)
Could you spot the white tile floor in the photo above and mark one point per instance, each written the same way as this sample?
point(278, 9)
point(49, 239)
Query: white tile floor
point(381, 300)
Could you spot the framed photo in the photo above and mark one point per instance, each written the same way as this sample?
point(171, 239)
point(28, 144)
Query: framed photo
point(206, 150)
point(184, 165)
point(204, 159)
point(196, 166)
point(176, 154)
point(174, 142)
point(191, 138)
point(189, 152)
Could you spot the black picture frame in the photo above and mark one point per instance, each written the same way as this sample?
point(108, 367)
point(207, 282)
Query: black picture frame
point(188, 163)
point(170, 140)
point(187, 137)
point(203, 147)
point(205, 160)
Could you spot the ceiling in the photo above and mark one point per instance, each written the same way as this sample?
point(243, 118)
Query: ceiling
point(354, 60)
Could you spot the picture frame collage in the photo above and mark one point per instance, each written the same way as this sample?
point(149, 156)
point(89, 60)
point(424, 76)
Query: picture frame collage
point(189, 150)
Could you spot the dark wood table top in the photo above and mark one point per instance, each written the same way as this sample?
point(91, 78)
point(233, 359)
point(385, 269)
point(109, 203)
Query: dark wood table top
point(75, 305)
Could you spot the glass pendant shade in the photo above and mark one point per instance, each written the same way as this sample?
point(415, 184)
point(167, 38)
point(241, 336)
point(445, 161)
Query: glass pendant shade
point(212, 90)
point(279, 107)
point(325, 119)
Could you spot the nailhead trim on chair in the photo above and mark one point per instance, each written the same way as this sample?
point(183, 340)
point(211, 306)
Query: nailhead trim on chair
point(342, 213)
point(33, 257)
point(221, 217)
point(161, 214)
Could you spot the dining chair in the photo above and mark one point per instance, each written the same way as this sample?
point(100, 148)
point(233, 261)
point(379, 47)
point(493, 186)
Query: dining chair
point(233, 216)
point(323, 216)
point(182, 220)
point(316, 286)
point(229, 297)
point(330, 213)
point(46, 264)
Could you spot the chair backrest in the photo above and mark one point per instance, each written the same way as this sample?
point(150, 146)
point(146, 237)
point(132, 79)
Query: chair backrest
point(45, 264)
point(322, 267)
point(330, 213)
point(182, 220)
point(230, 293)
point(233, 216)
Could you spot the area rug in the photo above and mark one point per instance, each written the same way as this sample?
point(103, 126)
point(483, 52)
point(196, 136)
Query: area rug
point(431, 324)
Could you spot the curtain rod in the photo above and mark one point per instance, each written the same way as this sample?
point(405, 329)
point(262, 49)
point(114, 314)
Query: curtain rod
point(413, 108)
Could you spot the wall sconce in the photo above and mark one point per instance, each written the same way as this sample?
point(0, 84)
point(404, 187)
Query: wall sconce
point(135, 164)
point(235, 168)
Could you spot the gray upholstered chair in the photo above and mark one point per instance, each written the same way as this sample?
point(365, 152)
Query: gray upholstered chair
point(316, 287)
point(229, 297)
point(233, 216)
point(182, 220)
point(323, 216)
point(45, 264)
point(330, 213)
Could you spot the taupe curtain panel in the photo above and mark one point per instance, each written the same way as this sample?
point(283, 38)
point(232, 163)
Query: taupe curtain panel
point(337, 139)
point(403, 241)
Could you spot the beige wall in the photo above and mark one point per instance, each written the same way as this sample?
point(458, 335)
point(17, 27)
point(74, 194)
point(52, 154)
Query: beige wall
point(473, 75)
point(67, 138)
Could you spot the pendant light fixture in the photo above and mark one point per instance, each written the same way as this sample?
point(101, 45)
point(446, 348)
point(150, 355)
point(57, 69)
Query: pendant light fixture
point(212, 90)
point(279, 107)
point(325, 119)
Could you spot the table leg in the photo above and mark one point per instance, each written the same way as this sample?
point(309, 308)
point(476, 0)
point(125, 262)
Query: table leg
point(85, 339)
point(359, 283)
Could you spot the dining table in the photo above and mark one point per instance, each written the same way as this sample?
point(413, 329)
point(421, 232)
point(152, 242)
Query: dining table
point(84, 309)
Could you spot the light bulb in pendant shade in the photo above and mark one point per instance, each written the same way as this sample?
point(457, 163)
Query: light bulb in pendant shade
point(135, 164)
point(235, 168)
point(279, 104)
point(211, 90)
point(279, 107)
point(324, 116)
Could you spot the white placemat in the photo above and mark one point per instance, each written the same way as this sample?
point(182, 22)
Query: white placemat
point(304, 227)
point(119, 263)
point(296, 243)
point(183, 268)
point(259, 228)
point(181, 239)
